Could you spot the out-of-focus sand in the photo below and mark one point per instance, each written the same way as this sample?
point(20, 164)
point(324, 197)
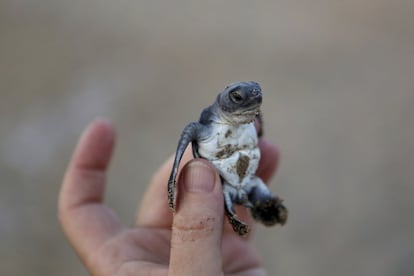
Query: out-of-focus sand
point(338, 80)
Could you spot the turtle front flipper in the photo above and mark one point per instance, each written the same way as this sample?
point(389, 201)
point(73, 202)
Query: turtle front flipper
point(191, 133)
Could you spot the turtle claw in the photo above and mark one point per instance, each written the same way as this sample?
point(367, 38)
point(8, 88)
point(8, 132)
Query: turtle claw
point(171, 194)
point(239, 226)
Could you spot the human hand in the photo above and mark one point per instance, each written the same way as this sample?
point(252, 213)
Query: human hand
point(193, 241)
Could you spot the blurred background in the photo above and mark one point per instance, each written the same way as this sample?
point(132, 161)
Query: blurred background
point(338, 81)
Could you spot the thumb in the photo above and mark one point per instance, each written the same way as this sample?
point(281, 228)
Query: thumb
point(198, 222)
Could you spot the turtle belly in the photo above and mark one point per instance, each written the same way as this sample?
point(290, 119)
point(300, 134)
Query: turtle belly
point(234, 152)
point(238, 168)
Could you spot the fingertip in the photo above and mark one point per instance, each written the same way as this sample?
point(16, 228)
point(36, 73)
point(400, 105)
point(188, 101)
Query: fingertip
point(269, 161)
point(84, 179)
point(100, 126)
point(199, 180)
point(268, 148)
point(95, 145)
point(198, 176)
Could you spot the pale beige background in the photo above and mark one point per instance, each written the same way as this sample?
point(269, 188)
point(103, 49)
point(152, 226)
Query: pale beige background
point(338, 80)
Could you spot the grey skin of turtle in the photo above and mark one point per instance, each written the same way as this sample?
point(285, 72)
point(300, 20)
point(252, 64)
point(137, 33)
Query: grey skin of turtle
point(226, 136)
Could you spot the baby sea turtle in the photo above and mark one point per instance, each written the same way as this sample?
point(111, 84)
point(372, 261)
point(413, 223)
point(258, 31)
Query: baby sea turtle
point(226, 136)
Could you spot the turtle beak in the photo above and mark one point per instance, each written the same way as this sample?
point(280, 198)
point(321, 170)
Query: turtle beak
point(259, 98)
point(256, 96)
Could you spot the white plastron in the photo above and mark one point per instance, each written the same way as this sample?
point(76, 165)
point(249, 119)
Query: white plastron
point(234, 152)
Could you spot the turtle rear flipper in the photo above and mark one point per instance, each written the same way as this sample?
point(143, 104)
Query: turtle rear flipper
point(270, 212)
point(239, 226)
point(267, 208)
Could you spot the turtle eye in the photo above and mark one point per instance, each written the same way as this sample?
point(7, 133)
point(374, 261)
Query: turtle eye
point(236, 97)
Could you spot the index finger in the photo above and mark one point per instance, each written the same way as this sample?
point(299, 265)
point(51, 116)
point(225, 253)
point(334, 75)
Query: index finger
point(85, 220)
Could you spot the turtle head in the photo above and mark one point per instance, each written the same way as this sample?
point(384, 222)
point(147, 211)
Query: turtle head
point(240, 102)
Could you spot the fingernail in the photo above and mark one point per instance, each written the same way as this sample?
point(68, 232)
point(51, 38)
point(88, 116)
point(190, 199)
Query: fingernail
point(199, 177)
